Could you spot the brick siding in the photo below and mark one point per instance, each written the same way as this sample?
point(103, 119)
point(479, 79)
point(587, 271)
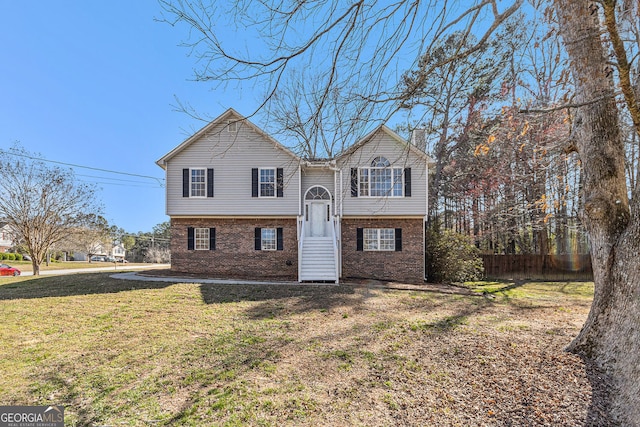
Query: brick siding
point(235, 255)
point(406, 265)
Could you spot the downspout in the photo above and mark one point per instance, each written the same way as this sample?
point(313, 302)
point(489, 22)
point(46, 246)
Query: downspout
point(424, 223)
point(299, 189)
point(340, 222)
point(299, 223)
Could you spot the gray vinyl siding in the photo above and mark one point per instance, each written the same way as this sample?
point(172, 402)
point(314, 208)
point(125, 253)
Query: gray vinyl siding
point(232, 155)
point(312, 176)
point(400, 157)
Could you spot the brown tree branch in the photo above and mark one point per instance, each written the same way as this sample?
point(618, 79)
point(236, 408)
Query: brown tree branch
point(623, 65)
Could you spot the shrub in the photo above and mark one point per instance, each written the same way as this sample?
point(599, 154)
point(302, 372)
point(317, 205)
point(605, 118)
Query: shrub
point(2, 255)
point(452, 257)
point(10, 257)
point(18, 257)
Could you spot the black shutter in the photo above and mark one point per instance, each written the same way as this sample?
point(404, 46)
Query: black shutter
point(407, 182)
point(354, 182)
point(190, 239)
point(279, 182)
point(398, 239)
point(209, 182)
point(212, 239)
point(258, 238)
point(279, 245)
point(185, 182)
point(254, 182)
point(359, 239)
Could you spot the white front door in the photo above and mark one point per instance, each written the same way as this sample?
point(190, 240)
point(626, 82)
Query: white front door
point(317, 217)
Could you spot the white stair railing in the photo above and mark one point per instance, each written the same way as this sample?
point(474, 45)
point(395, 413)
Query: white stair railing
point(300, 245)
point(334, 240)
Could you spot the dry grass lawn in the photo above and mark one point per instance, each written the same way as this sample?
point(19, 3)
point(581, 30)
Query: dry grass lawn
point(25, 266)
point(132, 353)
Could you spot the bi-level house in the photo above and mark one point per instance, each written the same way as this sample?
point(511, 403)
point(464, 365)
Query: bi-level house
point(243, 205)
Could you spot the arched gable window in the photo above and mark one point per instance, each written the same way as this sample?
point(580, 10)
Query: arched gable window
point(317, 193)
point(380, 179)
point(380, 162)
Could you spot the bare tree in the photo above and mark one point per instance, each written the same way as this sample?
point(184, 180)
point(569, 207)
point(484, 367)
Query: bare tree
point(92, 239)
point(369, 43)
point(358, 45)
point(43, 204)
point(294, 114)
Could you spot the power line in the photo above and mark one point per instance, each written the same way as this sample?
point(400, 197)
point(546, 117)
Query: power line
point(113, 179)
point(120, 182)
point(159, 180)
point(139, 185)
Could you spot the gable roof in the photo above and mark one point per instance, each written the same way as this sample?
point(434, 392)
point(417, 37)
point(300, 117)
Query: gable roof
point(397, 138)
point(227, 115)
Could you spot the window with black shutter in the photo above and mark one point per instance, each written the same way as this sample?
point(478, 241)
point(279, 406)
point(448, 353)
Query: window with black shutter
point(254, 182)
point(190, 238)
point(279, 182)
point(398, 239)
point(279, 243)
point(268, 239)
point(212, 239)
point(209, 182)
point(185, 182)
point(407, 182)
point(258, 239)
point(354, 182)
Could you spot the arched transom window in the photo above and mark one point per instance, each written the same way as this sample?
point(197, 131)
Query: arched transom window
point(380, 179)
point(380, 162)
point(317, 193)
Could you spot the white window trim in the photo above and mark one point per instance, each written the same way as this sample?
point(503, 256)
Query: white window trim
point(275, 239)
point(275, 183)
point(379, 249)
point(191, 183)
point(390, 196)
point(195, 239)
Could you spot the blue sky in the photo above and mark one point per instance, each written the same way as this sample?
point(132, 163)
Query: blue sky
point(93, 83)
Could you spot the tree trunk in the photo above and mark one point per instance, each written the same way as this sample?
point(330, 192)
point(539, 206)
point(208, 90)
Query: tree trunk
point(610, 336)
point(35, 265)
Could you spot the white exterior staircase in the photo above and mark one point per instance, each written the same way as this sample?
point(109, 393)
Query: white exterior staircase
point(318, 260)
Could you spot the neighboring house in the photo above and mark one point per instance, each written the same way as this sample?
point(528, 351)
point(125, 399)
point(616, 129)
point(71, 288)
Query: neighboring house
point(97, 251)
point(6, 237)
point(115, 251)
point(118, 252)
point(243, 205)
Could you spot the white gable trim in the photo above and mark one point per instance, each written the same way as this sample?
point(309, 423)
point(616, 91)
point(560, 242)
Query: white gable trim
point(221, 119)
point(397, 138)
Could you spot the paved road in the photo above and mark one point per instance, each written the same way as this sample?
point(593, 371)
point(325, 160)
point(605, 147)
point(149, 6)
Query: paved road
point(118, 267)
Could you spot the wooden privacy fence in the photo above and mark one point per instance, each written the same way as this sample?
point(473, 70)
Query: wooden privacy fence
point(544, 267)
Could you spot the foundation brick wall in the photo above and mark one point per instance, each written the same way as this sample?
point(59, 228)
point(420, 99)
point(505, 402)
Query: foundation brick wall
point(235, 254)
point(406, 265)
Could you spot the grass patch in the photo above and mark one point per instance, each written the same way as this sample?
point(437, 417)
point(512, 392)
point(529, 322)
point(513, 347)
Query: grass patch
point(535, 290)
point(133, 353)
point(68, 265)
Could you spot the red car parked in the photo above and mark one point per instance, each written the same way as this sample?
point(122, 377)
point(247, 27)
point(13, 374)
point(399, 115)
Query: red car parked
point(7, 270)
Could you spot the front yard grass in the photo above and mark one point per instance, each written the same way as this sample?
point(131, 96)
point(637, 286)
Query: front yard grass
point(66, 265)
point(132, 353)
